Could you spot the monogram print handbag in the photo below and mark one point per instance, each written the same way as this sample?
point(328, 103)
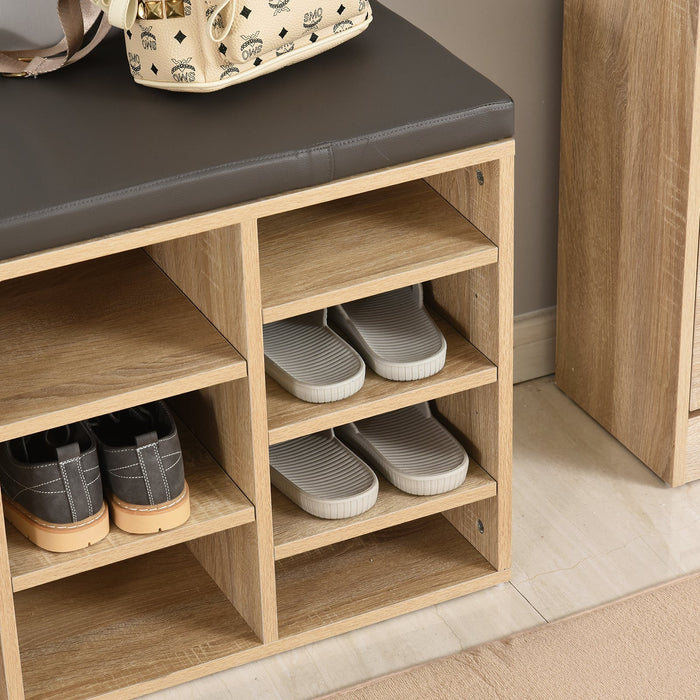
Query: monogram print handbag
point(205, 45)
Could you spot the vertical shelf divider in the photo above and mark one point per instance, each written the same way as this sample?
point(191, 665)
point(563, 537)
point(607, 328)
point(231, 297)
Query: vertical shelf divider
point(219, 271)
point(11, 684)
point(480, 304)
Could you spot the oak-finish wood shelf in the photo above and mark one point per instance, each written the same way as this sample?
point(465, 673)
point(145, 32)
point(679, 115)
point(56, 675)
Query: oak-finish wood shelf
point(123, 625)
point(363, 245)
point(216, 504)
point(465, 368)
point(88, 339)
point(105, 324)
point(296, 531)
point(405, 567)
point(628, 288)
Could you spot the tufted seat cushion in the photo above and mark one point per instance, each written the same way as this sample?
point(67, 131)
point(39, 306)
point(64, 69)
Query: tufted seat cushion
point(86, 152)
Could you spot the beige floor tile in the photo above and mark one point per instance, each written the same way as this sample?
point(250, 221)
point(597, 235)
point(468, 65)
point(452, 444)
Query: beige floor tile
point(590, 524)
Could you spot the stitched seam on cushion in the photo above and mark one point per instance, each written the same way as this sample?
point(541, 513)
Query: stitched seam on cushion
point(117, 194)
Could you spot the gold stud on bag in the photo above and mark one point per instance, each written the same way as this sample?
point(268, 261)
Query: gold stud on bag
point(205, 45)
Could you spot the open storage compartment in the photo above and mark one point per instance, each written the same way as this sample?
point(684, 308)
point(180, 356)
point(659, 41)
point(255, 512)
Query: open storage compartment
point(124, 625)
point(250, 574)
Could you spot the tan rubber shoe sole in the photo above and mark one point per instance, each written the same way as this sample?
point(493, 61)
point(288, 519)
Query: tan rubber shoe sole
point(58, 537)
point(142, 520)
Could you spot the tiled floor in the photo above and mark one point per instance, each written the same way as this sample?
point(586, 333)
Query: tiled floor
point(590, 524)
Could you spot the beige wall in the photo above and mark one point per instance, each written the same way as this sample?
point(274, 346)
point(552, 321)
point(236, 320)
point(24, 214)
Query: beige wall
point(517, 44)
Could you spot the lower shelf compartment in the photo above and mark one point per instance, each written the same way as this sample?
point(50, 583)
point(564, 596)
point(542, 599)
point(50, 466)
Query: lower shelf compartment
point(296, 531)
point(216, 504)
point(124, 625)
point(377, 576)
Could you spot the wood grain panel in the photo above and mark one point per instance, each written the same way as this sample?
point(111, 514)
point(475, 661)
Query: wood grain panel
point(297, 531)
point(228, 216)
point(90, 339)
point(480, 304)
point(692, 470)
point(215, 504)
point(11, 683)
point(377, 576)
point(363, 245)
point(628, 220)
point(219, 270)
point(125, 624)
point(465, 367)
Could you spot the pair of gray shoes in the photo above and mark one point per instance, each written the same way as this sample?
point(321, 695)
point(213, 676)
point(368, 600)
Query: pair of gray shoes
point(392, 332)
point(54, 483)
point(331, 474)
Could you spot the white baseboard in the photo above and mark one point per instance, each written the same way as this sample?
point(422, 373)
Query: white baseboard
point(534, 337)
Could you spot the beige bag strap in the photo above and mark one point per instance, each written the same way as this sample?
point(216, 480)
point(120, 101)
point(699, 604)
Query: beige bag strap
point(78, 18)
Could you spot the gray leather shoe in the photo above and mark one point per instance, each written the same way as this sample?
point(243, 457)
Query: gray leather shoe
point(52, 488)
point(142, 468)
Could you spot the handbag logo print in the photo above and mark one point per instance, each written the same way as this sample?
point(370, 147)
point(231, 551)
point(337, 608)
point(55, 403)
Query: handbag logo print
point(228, 69)
point(134, 63)
point(148, 39)
point(285, 48)
point(219, 21)
point(251, 46)
point(279, 6)
point(342, 26)
point(313, 19)
point(183, 71)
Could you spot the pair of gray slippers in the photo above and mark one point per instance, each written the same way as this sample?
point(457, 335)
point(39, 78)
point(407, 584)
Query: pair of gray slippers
point(392, 332)
point(331, 474)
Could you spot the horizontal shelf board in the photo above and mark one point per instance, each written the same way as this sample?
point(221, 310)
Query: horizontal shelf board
point(363, 245)
point(91, 338)
point(297, 531)
point(216, 504)
point(377, 576)
point(125, 625)
point(465, 368)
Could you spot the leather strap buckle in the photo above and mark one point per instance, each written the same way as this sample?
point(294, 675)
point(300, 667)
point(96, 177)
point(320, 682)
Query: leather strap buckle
point(21, 74)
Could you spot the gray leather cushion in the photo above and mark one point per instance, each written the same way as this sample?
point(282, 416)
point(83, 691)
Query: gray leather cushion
point(87, 152)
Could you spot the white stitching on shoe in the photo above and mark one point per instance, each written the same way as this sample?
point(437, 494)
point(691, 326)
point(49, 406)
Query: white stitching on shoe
point(168, 497)
point(143, 471)
point(55, 526)
point(131, 466)
point(85, 488)
point(43, 465)
point(73, 513)
point(145, 509)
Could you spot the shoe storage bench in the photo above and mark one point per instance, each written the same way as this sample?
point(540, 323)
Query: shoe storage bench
point(146, 271)
point(250, 574)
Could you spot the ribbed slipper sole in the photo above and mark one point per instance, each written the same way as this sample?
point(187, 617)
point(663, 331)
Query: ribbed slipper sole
point(323, 477)
point(310, 361)
point(394, 333)
point(411, 449)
